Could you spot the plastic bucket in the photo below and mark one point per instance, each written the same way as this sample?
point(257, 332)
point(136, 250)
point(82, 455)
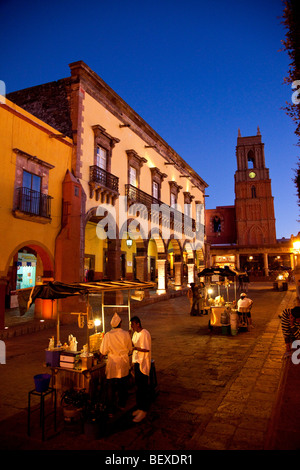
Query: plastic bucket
point(42, 382)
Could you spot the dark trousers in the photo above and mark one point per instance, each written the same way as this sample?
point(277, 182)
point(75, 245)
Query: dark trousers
point(142, 389)
point(117, 393)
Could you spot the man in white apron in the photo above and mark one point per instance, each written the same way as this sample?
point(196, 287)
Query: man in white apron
point(116, 345)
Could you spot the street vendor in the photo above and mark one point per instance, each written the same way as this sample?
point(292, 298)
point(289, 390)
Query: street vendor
point(116, 345)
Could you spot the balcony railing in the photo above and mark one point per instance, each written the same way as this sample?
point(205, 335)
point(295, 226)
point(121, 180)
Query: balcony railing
point(33, 202)
point(177, 218)
point(104, 178)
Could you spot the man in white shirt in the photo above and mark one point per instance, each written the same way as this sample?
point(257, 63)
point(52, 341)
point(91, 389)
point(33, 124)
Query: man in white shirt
point(116, 345)
point(244, 306)
point(141, 358)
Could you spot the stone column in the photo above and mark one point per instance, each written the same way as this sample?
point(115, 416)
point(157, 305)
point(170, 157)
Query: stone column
point(191, 273)
point(141, 268)
point(161, 276)
point(266, 264)
point(292, 260)
point(178, 265)
point(237, 261)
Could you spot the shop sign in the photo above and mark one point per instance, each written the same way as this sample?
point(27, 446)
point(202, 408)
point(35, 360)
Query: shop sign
point(225, 259)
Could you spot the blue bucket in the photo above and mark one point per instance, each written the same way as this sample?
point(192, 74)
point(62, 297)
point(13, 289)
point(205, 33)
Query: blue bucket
point(42, 382)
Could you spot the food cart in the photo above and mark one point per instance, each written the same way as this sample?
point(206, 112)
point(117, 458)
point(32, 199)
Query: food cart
point(72, 368)
point(222, 313)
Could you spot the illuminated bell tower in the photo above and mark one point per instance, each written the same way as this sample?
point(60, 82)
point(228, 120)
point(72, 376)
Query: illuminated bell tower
point(254, 203)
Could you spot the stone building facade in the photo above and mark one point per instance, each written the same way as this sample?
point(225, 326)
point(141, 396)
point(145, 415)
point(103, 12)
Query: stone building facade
point(121, 170)
point(244, 235)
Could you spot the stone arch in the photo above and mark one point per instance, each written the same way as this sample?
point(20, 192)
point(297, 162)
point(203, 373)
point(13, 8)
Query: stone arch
point(102, 245)
point(156, 235)
point(41, 250)
point(251, 159)
point(189, 249)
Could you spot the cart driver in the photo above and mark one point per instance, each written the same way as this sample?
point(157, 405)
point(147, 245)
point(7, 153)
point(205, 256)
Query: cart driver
point(244, 305)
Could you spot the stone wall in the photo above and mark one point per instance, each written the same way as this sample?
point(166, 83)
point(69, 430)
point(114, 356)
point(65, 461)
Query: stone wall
point(49, 102)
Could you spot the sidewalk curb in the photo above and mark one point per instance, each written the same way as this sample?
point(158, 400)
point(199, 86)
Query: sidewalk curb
point(271, 432)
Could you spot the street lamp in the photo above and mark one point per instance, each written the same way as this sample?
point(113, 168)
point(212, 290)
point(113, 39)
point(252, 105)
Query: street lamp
point(97, 322)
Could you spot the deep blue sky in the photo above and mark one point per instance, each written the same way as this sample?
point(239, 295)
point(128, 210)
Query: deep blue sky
point(196, 71)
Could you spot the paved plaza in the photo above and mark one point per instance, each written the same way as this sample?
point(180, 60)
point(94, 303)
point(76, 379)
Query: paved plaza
point(215, 391)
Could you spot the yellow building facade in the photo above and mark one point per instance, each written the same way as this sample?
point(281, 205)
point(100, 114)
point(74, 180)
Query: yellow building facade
point(121, 161)
point(132, 207)
point(34, 162)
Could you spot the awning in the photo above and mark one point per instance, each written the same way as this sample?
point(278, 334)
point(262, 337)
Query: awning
point(226, 271)
point(60, 290)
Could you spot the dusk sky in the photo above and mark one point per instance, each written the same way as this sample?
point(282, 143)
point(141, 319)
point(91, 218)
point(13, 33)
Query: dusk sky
point(196, 71)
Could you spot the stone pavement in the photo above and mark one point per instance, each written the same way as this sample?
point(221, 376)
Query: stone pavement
point(216, 392)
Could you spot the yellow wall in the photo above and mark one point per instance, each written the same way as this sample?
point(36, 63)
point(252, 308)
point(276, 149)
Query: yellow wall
point(95, 113)
point(21, 130)
point(94, 245)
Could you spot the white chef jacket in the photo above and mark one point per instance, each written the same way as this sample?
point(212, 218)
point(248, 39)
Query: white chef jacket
point(142, 340)
point(116, 345)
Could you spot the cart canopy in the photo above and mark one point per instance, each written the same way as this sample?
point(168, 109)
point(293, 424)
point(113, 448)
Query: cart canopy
point(59, 290)
point(226, 271)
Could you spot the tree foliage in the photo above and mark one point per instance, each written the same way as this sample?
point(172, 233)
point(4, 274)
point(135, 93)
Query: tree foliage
point(291, 44)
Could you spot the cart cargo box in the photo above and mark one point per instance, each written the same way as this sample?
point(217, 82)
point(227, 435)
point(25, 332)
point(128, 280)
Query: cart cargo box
point(52, 357)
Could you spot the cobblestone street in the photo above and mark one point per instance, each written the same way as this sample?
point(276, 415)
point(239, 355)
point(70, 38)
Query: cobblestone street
point(216, 392)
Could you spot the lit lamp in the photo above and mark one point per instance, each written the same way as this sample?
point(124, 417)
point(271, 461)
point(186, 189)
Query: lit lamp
point(129, 242)
point(97, 322)
point(296, 247)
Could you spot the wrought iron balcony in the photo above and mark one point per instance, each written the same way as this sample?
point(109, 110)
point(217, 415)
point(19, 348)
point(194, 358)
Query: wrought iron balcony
point(33, 202)
point(103, 183)
point(176, 218)
point(103, 177)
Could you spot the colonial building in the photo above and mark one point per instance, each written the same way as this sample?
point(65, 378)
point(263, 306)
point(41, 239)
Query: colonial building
point(35, 160)
point(244, 235)
point(131, 207)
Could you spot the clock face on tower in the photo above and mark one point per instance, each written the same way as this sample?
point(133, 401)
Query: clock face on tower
point(252, 174)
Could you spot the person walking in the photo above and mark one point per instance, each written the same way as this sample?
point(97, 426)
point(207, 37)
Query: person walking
point(117, 346)
point(202, 299)
point(141, 359)
point(195, 299)
point(246, 282)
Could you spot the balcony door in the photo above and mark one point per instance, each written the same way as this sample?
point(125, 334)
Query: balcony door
point(101, 162)
point(31, 199)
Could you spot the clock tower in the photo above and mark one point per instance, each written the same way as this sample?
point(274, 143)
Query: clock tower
point(254, 203)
